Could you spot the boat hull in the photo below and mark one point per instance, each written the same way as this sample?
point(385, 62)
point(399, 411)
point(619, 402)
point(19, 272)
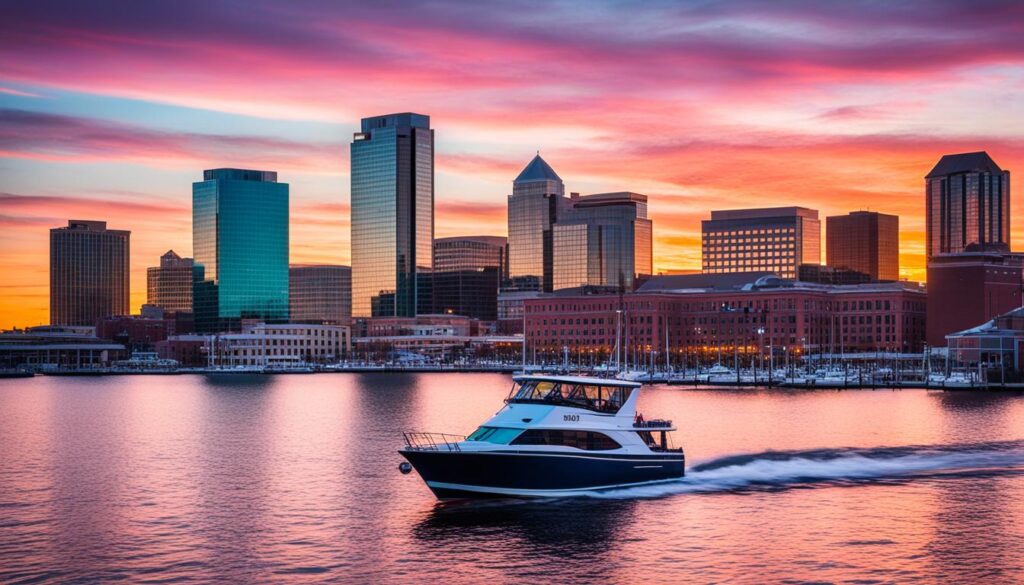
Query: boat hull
point(462, 474)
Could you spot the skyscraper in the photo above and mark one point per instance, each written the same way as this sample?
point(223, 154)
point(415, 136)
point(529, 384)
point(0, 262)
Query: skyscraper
point(392, 216)
point(864, 241)
point(967, 201)
point(169, 286)
point(468, 270)
point(537, 199)
point(240, 242)
point(320, 293)
point(602, 240)
point(88, 273)
point(777, 239)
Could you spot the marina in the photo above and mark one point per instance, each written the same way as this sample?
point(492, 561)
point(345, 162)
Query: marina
point(911, 373)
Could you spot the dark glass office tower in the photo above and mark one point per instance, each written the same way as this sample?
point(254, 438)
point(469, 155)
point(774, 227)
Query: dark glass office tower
point(240, 245)
point(538, 196)
point(967, 202)
point(392, 216)
point(88, 273)
point(603, 240)
point(468, 270)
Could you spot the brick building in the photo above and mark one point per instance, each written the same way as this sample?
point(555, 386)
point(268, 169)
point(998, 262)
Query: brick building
point(744, 312)
point(970, 288)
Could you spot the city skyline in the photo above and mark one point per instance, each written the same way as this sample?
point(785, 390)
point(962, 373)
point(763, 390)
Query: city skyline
point(790, 107)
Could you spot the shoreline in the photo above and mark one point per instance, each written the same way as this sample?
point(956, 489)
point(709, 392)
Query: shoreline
point(677, 382)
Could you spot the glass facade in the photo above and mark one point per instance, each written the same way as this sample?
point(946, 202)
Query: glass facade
point(775, 240)
point(538, 196)
point(468, 271)
point(866, 242)
point(88, 273)
point(603, 240)
point(967, 202)
point(169, 286)
point(320, 294)
point(392, 216)
point(240, 243)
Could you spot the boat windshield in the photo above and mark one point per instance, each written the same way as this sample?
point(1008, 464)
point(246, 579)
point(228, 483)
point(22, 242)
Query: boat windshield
point(607, 399)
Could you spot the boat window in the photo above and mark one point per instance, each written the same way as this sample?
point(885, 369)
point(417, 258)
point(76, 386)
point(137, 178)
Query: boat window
point(586, 440)
point(493, 435)
point(599, 398)
point(534, 390)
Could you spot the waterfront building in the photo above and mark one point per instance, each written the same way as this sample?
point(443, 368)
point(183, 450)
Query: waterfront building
point(51, 347)
point(190, 351)
point(708, 315)
point(996, 345)
point(431, 335)
point(971, 287)
point(286, 344)
point(392, 187)
point(89, 277)
point(135, 332)
point(777, 240)
point(864, 241)
point(320, 293)
point(536, 202)
point(240, 243)
point(468, 271)
point(967, 201)
point(602, 240)
point(169, 285)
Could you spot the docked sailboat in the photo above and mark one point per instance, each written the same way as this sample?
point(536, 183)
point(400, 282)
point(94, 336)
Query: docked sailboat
point(556, 436)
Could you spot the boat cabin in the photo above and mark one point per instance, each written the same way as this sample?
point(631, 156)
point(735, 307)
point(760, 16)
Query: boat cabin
point(607, 397)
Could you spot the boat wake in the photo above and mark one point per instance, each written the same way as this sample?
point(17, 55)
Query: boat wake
point(779, 470)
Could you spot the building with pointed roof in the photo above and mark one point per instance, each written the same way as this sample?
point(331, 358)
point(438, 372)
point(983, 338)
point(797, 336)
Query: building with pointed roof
point(537, 200)
point(538, 170)
point(967, 201)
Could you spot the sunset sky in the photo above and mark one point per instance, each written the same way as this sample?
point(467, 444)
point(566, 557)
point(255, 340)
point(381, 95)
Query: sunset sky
point(110, 110)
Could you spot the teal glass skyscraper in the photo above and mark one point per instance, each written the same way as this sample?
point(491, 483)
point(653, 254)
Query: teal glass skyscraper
point(392, 216)
point(240, 244)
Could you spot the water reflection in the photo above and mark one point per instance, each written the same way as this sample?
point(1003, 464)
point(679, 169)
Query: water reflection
point(531, 541)
point(252, 478)
point(583, 527)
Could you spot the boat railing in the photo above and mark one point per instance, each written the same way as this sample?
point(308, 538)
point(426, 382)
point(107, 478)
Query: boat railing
point(432, 441)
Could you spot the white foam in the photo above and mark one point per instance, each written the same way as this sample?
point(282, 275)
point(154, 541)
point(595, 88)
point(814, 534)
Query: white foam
point(773, 471)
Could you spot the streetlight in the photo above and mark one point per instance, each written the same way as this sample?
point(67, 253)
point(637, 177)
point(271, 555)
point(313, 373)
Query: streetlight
point(760, 347)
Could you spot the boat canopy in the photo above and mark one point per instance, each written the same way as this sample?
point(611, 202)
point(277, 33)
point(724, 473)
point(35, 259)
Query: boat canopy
point(578, 380)
point(605, 396)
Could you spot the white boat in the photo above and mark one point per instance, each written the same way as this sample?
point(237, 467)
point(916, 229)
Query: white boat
point(556, 436)
point(719, 374)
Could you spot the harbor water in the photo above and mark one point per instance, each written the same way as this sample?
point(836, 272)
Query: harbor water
point(293, 478)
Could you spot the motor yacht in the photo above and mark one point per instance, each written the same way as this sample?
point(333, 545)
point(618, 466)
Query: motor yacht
point(556, 436)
